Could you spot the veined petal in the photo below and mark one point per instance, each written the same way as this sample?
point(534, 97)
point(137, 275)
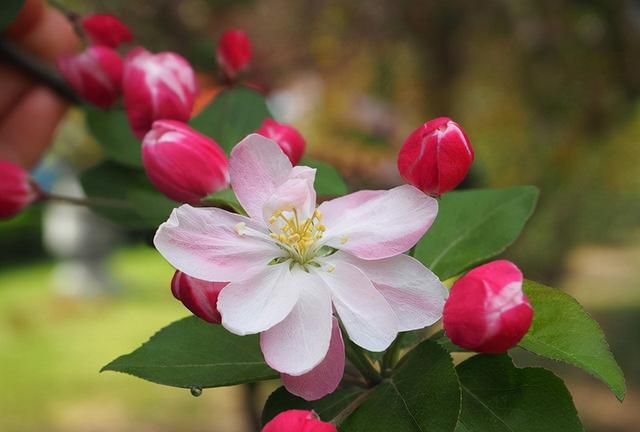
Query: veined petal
point(368, 318)
point(301, 340)
point(378, 224)
point(208, 244)
point(257, 167)
point(324, 378)
point(415, 294)
point(260, 301)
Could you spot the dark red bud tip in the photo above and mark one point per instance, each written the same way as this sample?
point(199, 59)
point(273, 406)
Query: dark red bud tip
point(106, 30)
point(16, 189)
point(234, 52)
point(287, 137)
point(200, 297)
point(436, 157)
point(487, 310)
point(298, 421)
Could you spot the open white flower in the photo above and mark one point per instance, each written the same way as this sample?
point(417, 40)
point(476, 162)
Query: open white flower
point(290, 265)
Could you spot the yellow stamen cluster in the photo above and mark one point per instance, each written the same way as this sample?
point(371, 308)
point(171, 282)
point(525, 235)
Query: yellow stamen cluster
point(299, 235)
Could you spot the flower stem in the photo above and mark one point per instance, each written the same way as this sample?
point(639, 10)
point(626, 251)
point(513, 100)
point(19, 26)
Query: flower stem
point(346, 412)
point(360, 360)
point(391, 357)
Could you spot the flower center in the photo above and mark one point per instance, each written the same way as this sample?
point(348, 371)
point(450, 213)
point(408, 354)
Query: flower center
point(297, 235)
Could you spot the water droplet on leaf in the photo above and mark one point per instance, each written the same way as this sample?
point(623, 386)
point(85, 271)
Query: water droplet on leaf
point(196, 391)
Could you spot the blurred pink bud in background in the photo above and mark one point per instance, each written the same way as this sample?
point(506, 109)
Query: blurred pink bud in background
point(16, 190)
point(287, 137)
point(106, 30)
point(157, 87)
point(487, 310)
point(182, 163)
point(234, 52)
point(95, 74)
point(436, 157)
point(200, 297)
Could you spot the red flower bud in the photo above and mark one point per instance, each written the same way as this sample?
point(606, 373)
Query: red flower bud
point(184, 164)
point(16, 190)
point(287, 137)
point(436, 157)
point(486, 310)
point(95, 74)
point(234, 52)
point(298, 421)
point(157, 87)
point(106, 30)
point(200, 297)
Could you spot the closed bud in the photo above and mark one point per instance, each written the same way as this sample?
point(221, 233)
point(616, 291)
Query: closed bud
point(298, 421)
point(106, 30)
point(157, 87)
point(436, 157)
point(200, 297)
point(16, 190)
point(95, 74)
point(234, 52)
point(184, 164)
point(486, 310)
point(287, 137)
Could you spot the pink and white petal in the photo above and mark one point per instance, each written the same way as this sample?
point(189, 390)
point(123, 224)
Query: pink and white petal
point(205, 243)
point(257, 166)
point(260, 301)
point(378, 224)
point(324, 378)
point(300, 342)
point(368, 319)
point(415, 294)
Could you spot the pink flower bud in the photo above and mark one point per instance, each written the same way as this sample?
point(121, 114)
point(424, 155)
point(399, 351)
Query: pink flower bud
point(234, 52)
point(436, 157)
point(298, 421)
point(486, 310)
point(95, 74)
point(200, 297)
point(16, 190)
point(157, 87)
point(184, 164)
point(106, 30)
point(287, 137)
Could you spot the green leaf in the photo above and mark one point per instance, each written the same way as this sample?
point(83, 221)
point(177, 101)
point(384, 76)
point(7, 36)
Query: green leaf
point(111, 130)
point(421, 395)
point(474, 226)
point(193, 353)
point(329, 182)
point(9, 10)
point(563, 330)
point(233, 114)
point(225, 198)
point(326, 408)
point(139, 204)
point(498, 397)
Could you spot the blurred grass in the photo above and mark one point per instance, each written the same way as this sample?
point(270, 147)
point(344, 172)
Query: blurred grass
point(52, 348)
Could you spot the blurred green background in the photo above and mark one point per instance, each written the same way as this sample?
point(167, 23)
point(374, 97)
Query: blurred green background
point(547, 90)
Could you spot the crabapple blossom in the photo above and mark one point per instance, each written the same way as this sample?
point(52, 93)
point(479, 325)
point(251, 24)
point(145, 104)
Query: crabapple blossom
point(157, 87)
point(487, 310)
point(16, 189)
point(106, 30)
point(182, 163)
point(287, 137)
point(200, 297)
point(234, 52)
point(95, 74)
point(298, 421)
point(290, 264)
point(436, 157)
